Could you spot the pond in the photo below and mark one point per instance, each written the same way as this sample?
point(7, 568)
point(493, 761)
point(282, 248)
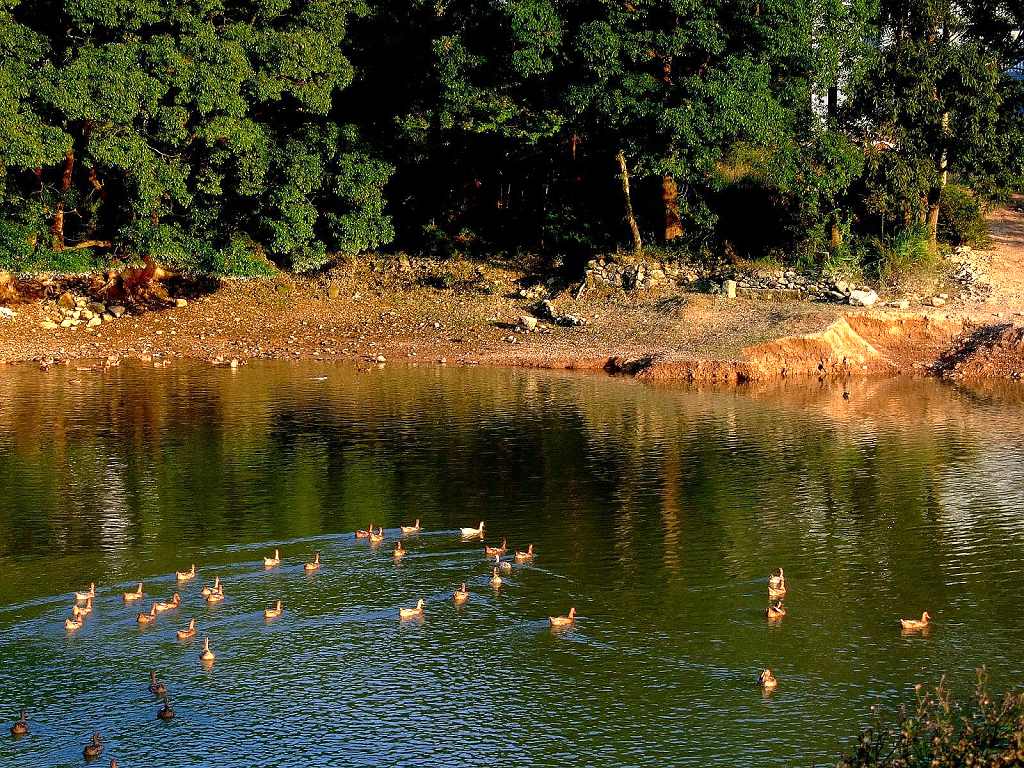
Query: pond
point(657, 512)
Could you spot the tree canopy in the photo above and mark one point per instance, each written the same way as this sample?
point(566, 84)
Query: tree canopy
point(224, 136)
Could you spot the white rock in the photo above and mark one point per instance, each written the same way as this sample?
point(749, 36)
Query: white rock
point(863, 298)
point(7, 313)
point(529, 323)
point(181, 302)
point(729, 286)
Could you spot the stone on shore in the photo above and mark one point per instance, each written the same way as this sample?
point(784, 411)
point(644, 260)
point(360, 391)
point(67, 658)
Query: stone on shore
point(66, 300)
point(863, 298)
point(729, 287)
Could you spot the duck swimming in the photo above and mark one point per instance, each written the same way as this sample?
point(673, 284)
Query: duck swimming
point(414, 528)
point(186, 575)
point(496, 580)
point(775, 611)
point(365, 534)
point(207, 591)
point(81, 611)
point(467, 532)
point(411, 613)
point(399, 552)
point(492, 551)
point(81, 597)
point(94, 748)
point(131, 597)
point(20, 728)
point(525, 557)
point(185, 634)
point(777, 585)
point(767, 680)
point(147, 618)
point(73, 624)
point(376, 537)
point(165, 712)
point(155, 686)
point(169, 606)
point(272, 562)
point(273, 613)
point(461, 595)
point(913, 625)
point(504, 565)
point(314, 566)
point(563, 621)
point(207, 656)
point(215, 597)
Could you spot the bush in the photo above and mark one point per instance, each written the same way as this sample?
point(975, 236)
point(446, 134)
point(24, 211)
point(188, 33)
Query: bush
point(896, 260)
point(940, 733)
point(962, 217)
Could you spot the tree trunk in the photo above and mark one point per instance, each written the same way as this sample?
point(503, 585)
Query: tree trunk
point(670, 199)
point(57, 228)
point(935, 195)
point(638, 245)
point(833, 102)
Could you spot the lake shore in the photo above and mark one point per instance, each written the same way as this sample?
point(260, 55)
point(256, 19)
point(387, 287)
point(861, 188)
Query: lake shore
point(459, 313)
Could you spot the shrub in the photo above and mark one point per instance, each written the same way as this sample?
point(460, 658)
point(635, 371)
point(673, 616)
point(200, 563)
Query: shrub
point(896, 260)
point(939, 733)
point(962, 217)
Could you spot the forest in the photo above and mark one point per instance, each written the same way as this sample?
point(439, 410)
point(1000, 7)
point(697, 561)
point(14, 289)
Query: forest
point(240, 137)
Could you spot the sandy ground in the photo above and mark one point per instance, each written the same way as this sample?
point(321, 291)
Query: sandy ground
point(370, 309)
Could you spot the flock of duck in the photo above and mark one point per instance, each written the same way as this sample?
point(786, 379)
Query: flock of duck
point(214, 594)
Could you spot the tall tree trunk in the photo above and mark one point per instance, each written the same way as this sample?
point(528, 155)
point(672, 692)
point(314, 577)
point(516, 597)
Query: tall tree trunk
point(57, 228)
point(833, 102)
point(670, 199)
point(638, 245)
point(935, 195)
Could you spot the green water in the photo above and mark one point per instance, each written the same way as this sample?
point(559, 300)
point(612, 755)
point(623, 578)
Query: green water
point(657, 512)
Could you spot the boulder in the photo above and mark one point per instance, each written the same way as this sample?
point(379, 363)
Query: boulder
point(729, 288)
point(529, 323)
point(863, 298)
point(117, 311)
point(181, 302)
point(49, 325)
point(66, 300)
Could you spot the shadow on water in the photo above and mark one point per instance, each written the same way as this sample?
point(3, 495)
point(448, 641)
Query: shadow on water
point(656, 511)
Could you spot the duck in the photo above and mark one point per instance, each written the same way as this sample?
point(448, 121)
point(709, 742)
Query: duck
point(461, 595)
point(147, 618)
point(767, 680)
point(155, 686)
point(94, 748)
point(272, 562)
point(81, 597)
point(777, 585)
point(412, 613)
point(917, 624)
point(376, 537)
point(775, 611)
point(20, 728)
point(399, 552)
point(73, 624)
point(207, 656)
point(131, 597)
point(207, 591)
point(563, 621)
point(169, 606)
point(315, 565)
point(365, 534)
point(496, 579)
point(504, 565)
point(414, 528)
point(492, 551)
point(273, 613)
point(215, 597)
point(189, 632)
point(186, 575)
point(165, 712)
point(81, 611)
point(525, 557)
point(473, 531)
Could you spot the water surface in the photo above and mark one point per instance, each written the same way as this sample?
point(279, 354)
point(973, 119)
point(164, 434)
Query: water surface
point(656, 512)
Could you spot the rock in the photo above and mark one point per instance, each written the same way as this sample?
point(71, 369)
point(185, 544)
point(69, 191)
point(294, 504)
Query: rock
point(936, 301)
point(96, 308)
point(67, 322)
point(842, 287)
point(81, 302)
point(7, 313)
point(381, 359)
point(729, 288)
point(48, 325)
point(181, 302)
point(85, 314)
point(902, 304)
point(862, 298)
point(529, 323)
point(94, 322)
point(108, 318)
point(333, 291)
point(66, 300)
point(117, 311)
point(404, 265)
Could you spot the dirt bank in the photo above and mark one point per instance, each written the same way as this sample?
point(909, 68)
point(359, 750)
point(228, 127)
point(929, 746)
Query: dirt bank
point(462, 314)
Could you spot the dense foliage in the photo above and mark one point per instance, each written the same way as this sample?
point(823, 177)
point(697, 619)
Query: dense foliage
point(939, 733)
point(233, 136)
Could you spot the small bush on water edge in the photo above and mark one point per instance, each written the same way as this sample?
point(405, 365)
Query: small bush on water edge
point(939, 733)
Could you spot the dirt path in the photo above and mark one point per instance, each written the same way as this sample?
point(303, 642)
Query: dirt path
point(1007, 257)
